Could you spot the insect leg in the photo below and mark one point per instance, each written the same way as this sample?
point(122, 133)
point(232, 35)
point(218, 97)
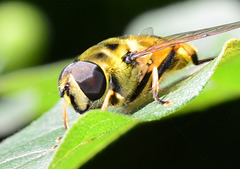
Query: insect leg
point(65, 118)
point(110, 93)
point(155, 87)
point(196, 61)
point(156, 75)
point(191, 52)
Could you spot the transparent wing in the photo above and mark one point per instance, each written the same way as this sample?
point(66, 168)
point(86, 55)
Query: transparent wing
point(148, 32)
point(176, 39)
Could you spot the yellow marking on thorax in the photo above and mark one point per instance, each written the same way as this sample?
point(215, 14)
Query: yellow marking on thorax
point(133, 45)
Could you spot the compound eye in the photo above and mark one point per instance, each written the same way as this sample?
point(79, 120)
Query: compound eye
point(67, 70)
point(90, 78)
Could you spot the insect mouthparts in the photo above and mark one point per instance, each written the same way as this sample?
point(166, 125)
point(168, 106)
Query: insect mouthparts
point(65, 89)
point(61, 93)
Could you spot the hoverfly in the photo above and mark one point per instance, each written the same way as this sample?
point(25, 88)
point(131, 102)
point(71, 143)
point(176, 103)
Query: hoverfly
point(120, 70)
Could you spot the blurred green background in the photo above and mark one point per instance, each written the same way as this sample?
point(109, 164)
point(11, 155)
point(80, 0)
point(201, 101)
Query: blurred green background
point(38, 38)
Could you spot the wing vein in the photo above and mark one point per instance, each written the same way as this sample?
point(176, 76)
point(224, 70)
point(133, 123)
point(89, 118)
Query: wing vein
point(179, 38)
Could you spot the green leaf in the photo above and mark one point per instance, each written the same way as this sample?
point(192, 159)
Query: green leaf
point(179, 95)
point(92, 132)
point(33, 147)
point(224, 84)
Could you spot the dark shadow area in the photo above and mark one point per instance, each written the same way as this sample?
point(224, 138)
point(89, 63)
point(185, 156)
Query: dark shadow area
point(198, 140)
point(78, 25)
